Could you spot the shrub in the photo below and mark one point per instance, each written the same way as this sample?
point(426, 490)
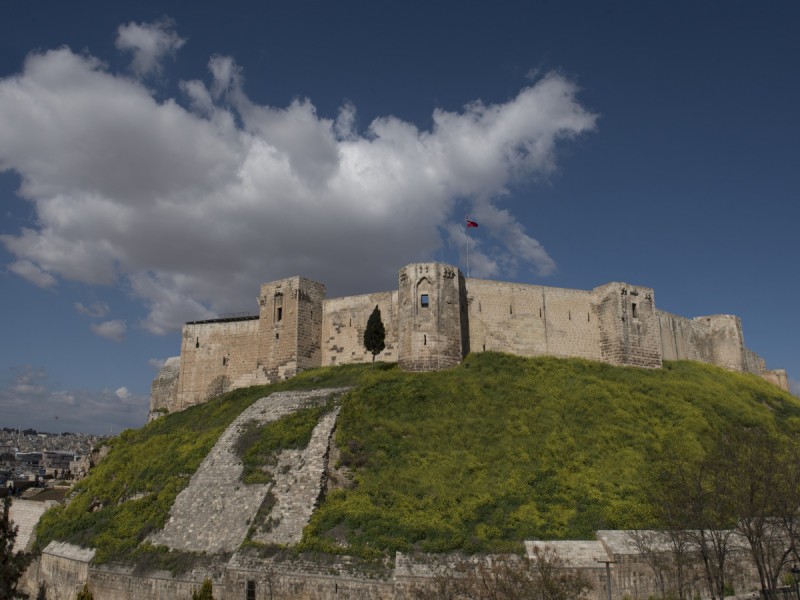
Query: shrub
point(205, 591)
point(85, 593)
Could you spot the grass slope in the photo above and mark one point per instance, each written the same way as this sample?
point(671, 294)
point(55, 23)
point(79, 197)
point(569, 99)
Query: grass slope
point(479, 457)
point(504, 448)
point(137, 483)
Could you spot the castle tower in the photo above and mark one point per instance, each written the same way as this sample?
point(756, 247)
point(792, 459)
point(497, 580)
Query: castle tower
point(726, 341)
point(629, 333)
point(430, 332)
point(290, 326)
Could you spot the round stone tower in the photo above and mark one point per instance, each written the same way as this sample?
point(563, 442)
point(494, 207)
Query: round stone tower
point(430, 334)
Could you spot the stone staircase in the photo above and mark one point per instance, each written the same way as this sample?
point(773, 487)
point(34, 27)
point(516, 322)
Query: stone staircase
point(213, 513)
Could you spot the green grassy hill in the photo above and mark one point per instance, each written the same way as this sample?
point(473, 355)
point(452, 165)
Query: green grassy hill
point(476, 458)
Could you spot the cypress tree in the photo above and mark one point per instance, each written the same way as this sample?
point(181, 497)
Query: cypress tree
point(375, 334)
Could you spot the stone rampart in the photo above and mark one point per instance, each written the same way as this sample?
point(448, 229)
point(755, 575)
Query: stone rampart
point(214, 354)
point(715, 339)
point(164, 391)
point(432, 321)
point(531, 320)
point(344, 321)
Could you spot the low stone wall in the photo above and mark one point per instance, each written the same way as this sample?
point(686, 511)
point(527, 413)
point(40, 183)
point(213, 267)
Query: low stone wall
point(64, 569)
point(120, 582)
point(334, 579)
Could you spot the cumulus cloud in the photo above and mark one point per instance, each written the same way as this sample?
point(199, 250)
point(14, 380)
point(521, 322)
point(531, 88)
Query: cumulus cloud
point(192, 202)
point(149, 43)
point(112, 330)
point(96, 310)
point(66, 410)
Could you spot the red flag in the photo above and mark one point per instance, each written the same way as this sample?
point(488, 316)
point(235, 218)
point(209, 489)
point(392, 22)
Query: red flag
point(471, 224)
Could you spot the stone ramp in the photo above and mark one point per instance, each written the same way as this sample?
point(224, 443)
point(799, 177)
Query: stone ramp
point(212, 514)
point(299, 478)
point(25, 514)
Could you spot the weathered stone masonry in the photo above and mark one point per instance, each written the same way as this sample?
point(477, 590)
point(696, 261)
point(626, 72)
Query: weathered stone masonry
point(434, 318)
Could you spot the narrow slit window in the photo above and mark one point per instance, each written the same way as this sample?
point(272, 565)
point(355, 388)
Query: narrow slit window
point(224, 361)
point(250, 593)
point(197, 342)
point(510, 309)
point(588, 318)
point(425, 340)
point(278, 306)
point(569, 315)
point(540, 312)
point(633, 310)
point(424, 301)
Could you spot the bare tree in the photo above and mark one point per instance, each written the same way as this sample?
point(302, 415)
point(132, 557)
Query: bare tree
point(650, 545)
point(545, 576)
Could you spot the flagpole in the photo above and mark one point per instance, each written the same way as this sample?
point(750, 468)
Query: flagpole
point(470, 223)
point(467, 253)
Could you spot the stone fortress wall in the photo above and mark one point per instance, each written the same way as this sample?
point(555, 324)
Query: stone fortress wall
point(434, 318)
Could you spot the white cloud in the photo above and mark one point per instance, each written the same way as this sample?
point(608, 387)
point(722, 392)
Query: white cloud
point(112, 330)
point(149, 43)
point(192, 208)
point(29, 398)
point(33, 273)
point(96, 310)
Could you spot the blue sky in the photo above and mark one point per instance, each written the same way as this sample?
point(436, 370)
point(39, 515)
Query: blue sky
point(158, 161)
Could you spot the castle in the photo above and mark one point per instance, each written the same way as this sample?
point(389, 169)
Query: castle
point(434, 318)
